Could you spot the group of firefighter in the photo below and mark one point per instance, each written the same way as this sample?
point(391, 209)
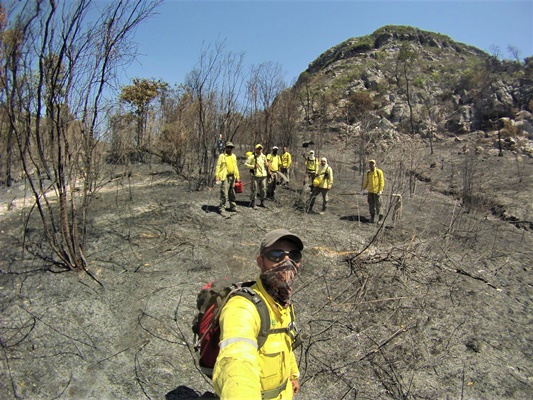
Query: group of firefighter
point(272, 170)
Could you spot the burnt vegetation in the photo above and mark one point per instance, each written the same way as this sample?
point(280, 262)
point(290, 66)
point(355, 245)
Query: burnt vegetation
point(109, 229)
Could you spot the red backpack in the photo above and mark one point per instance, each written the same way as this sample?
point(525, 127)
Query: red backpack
point(210, 301)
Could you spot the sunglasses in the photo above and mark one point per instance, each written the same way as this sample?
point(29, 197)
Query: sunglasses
point(277, 255)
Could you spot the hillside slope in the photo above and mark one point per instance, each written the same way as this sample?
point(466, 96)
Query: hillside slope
point(402, 80)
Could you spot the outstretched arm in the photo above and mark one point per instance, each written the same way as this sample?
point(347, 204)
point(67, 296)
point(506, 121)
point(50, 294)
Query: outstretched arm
point(237, 371)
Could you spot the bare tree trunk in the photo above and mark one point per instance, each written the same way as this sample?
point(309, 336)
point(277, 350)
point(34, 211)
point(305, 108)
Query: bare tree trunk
point(9, 158)
point(73, 59)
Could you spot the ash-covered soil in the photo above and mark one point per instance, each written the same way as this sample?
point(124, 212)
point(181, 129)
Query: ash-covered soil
point(434, 305)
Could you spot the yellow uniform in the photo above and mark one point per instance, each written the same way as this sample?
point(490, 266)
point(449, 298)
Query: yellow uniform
point(227, 165)
point(325, 175)
point(275, 162)
point(286, 160)
point(261, 160)
point(311, 165)
point(374, 181)
point(244, 372)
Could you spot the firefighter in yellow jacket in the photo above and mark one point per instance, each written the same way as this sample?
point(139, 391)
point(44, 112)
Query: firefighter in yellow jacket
point(373, 184)
point(258, 165)
point(227, 172)
point(322, 183)
point(286, 161)
point(311, 165)
point(274, 162)
point(243, 371)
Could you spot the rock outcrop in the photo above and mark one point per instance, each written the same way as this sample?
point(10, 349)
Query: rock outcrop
point(422, 83)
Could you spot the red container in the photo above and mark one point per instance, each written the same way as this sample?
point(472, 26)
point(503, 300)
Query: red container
point(238, 186)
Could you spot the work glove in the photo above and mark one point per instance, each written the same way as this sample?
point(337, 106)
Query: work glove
point(380, 192)
point(364, 191)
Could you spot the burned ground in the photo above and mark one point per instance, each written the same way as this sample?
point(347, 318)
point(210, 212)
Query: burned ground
point(436, 304)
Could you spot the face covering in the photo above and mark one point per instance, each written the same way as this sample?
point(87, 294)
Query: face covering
point(278, 281)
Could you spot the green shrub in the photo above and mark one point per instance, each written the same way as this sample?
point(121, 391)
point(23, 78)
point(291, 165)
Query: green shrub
point(420, 81)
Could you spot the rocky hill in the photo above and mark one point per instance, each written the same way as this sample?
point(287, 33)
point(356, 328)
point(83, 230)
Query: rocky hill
point(404, 80)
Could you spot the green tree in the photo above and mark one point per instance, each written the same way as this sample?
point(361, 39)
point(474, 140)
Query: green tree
point(138, 96)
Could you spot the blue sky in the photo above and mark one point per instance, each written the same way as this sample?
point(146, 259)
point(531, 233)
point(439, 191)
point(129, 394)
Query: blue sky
point(293, 33)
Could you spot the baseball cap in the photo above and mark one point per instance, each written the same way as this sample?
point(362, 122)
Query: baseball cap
point(229, 144)
point(277, 234)
point(258, 146)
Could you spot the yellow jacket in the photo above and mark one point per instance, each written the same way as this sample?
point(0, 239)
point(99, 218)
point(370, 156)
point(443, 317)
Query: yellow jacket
point(275, 162)
point(311, 165)
point(260, 171)
point(320, 174)
point(227, 165)
point(286, 160)
point(374, 181)
point(242, 371)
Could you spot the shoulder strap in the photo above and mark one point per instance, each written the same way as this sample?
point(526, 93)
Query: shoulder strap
point(250, 294)
point(247, 292)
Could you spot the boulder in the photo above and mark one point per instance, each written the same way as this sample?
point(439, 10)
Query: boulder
point(524, 127)
point(460, 121)
point(399, 112)
point(524, 116)
point(372, 78)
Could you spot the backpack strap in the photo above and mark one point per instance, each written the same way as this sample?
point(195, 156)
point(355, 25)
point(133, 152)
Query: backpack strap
point(262, 309)
point(264, 331)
